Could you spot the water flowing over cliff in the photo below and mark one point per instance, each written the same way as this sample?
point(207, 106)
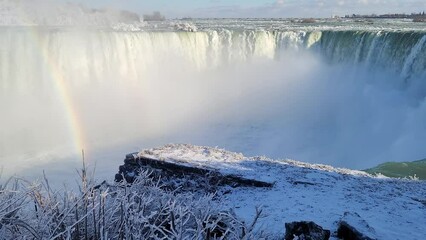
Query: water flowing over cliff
point(119, 85)
point(403, 53)
point(130, 54)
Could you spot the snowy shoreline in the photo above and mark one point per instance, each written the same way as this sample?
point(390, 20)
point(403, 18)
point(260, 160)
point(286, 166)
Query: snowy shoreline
point(310, 192)
point(170, 205)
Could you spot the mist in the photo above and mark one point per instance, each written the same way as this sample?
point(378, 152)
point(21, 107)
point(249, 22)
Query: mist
point(134, 91)
point(61, 13)
point(306, 110)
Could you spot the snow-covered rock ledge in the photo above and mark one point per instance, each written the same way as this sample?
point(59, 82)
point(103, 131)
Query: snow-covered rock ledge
point(384, 208)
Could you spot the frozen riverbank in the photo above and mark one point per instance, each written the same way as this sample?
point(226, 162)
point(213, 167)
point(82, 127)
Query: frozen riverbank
point(309, 192)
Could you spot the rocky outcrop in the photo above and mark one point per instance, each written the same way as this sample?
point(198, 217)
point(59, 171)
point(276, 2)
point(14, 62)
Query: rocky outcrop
point(305, 230)
point(134, 164)
point(353, 227)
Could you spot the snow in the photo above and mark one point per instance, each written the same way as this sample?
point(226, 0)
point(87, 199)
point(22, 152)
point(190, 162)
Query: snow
point(386, 208)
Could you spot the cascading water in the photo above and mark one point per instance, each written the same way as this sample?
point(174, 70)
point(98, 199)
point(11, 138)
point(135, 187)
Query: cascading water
point(345, 97)
point(133, 55)
point(403, 53)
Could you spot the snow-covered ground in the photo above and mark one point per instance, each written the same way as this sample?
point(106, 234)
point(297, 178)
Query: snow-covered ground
point(389, 208)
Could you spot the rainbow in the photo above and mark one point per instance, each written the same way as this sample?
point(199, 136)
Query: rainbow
point(59, 82)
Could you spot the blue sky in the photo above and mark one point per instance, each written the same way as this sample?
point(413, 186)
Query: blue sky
point(261, 8)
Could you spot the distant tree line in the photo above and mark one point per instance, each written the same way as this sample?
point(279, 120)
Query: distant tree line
point(420, 15)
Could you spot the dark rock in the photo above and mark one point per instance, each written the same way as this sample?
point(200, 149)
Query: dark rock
point(118, 177)
point(422, 201)
point(133, 164)
point(126, 172)
point(132, 156)
point(303, 183)
point(347, 232)
point(353, 227)
point(305, 230)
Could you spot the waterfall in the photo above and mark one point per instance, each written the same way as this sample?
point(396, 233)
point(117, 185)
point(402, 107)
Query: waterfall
point(132, 85)
point(100, 55)
point(403, 53)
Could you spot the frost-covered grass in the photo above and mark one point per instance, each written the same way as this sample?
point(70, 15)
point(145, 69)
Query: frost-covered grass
point(142, 210)
point(393, 208)
point(170, 208)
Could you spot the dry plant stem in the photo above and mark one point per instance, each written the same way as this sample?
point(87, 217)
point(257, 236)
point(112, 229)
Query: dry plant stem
point(143, 210)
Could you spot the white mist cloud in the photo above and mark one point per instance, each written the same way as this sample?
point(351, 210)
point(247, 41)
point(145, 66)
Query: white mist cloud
point(157, 88)
point(54, 13)
point(303, 109)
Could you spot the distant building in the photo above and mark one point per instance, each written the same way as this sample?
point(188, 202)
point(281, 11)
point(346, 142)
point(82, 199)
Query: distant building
point(155, 16)
point(308, 20)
